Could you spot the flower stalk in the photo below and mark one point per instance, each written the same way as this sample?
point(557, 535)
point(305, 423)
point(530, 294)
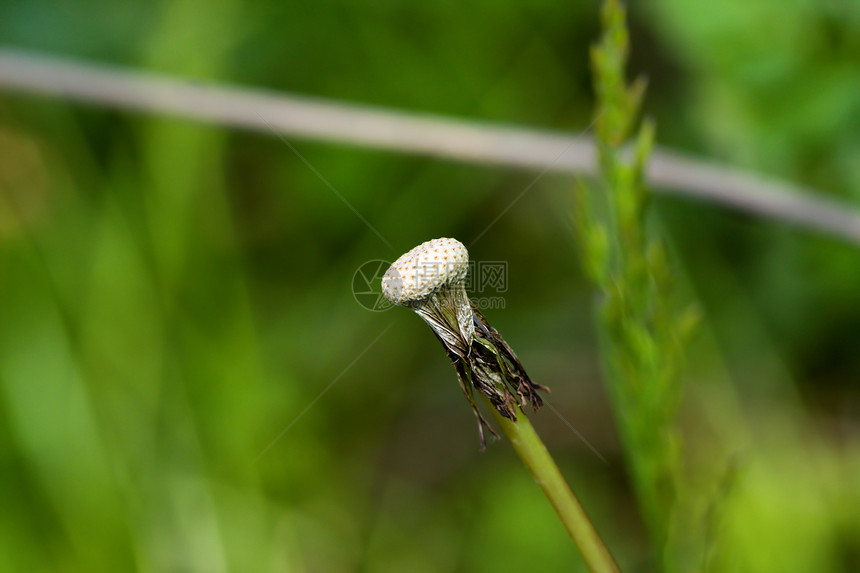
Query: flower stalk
point(537, 459)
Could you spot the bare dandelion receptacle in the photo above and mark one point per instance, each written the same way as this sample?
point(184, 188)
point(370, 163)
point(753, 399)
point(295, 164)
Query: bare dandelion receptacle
point(430, 280)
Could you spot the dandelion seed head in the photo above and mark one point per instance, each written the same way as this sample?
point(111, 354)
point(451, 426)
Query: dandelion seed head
point(425, 269)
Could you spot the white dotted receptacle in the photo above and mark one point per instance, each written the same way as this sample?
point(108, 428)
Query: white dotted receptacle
point(424, 270)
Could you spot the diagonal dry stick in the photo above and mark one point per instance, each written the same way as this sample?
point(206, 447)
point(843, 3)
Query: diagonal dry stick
point(460, 140)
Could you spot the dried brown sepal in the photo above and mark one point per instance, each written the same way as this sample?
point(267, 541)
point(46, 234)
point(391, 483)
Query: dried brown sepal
point(489, 366)
point(514, 375)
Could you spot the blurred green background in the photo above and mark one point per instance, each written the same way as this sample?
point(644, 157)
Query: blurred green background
point(173, 296)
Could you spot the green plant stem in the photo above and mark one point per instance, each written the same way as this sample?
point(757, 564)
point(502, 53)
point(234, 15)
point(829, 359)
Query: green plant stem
point(534, 454)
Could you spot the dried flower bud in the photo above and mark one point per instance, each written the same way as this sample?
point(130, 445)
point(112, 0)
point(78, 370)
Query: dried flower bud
point(429, 280)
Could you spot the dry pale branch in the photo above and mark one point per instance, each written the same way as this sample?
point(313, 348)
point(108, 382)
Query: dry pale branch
point(460, 140)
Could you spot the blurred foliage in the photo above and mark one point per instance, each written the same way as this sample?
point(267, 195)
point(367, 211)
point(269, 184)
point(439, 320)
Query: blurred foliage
point(642, 334)
point(174, 296)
